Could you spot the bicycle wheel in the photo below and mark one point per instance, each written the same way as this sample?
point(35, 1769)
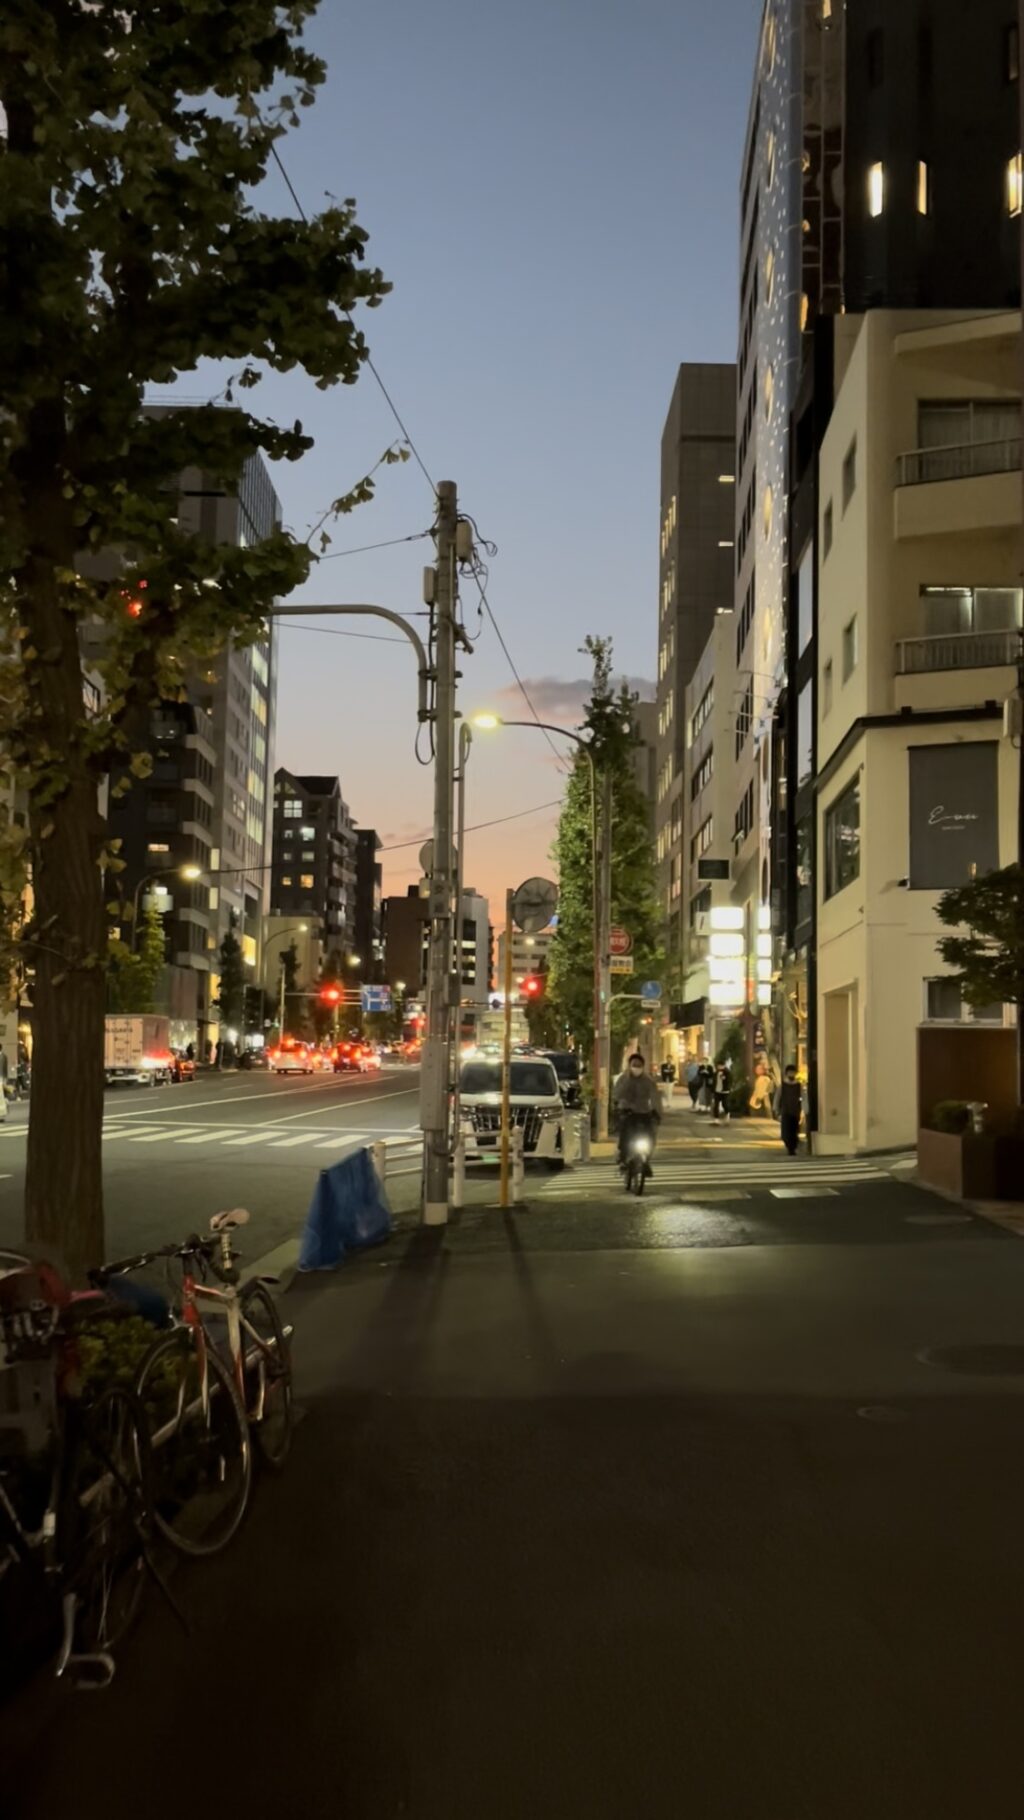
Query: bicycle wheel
point(106, 1520)
point(268, 1373)
point(202, 1464)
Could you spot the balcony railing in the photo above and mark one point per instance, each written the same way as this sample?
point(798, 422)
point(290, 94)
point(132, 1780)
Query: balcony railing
point(958, 461)
point(957, 651)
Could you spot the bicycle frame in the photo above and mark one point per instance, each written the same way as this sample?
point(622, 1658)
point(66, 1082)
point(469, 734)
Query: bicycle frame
point(229, 1298)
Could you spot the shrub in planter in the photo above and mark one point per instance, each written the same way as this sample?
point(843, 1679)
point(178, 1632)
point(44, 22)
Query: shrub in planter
point(952, 1116)
point(739, 1099)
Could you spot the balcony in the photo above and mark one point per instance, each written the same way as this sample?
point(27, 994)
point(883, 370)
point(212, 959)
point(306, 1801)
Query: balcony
point(957, 651)
point(958, 461)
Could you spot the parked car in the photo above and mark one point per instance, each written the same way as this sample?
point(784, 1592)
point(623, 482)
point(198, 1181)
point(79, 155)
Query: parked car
point(535, 1103)
point(293, 1058)
point(566, 1064)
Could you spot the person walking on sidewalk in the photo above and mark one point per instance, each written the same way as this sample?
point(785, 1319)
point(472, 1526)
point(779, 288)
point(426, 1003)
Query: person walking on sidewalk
point(722, 1089)
point(636, 1096)
point(693, 1081)
point(790, 1105)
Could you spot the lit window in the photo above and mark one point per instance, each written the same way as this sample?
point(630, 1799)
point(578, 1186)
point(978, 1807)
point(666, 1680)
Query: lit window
point(923, 189)
point(292, 808)
point(1013, 185)
point(769, 507)
point(286, 881)
point(849, 649)
point(771, 42)
point(308, 833)
point(826, 9)
point(826, 689)
point(805, 310)
point(726, 480)
point(769, 276)
point(769, 391)
point(725, 543)
point(876, 189)
point(157, 846)
point(305, 880)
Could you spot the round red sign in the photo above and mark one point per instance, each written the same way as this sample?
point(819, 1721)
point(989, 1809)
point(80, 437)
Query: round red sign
point(620, 941)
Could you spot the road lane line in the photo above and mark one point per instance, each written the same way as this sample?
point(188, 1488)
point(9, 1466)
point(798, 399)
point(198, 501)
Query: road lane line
point(127, 1131)
point(304, 1137)
point(292, 1118)
point(205, 1137)
point(175, 1134)
point(250, 1137)
point(342, 1137)
point(268, 1094)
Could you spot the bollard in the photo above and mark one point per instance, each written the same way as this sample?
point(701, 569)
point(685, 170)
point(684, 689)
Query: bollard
point(459, 1173)
point(518, 1165)
point(379, 1153)
point(584, 1138)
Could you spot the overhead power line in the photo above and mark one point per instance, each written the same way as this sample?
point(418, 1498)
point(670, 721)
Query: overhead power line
point(396, 846)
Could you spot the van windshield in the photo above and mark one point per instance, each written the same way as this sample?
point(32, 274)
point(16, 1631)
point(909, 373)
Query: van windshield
point(528, 1080)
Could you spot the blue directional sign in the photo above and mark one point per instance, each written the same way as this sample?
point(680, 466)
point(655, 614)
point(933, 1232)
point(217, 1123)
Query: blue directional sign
point(376, 998)
point(650, 992)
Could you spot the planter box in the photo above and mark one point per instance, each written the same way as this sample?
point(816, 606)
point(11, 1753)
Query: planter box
point(972, 1166)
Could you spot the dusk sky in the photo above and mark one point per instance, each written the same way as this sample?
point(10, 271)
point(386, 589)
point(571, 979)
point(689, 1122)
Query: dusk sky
point(551, 188)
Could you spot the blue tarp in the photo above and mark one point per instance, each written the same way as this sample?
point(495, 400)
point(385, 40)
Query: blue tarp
point(348, 1212)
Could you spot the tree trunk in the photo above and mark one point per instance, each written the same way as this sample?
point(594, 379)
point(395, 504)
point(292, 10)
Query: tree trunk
point(64, 1182)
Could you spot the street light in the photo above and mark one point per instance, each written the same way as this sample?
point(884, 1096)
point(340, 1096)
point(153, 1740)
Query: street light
point(296, 929)
point(487, 723)
point(355, 960)
point(189, 873)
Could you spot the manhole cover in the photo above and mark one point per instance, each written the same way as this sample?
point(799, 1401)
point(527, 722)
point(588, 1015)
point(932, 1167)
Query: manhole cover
point(978, 1361)
point(881, 1412)
point(938, 1219)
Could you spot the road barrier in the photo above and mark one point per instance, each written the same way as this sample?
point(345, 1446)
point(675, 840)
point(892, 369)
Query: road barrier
point(348, 1212)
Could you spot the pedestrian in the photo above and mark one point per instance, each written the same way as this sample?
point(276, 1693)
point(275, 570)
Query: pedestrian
point(707, 1087)
point(721, 1089)
point(190, 1052)
point(790, 1104)
point(693, 1081)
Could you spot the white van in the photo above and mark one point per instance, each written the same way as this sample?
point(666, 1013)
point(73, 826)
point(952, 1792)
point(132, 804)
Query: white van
point(535, 1101)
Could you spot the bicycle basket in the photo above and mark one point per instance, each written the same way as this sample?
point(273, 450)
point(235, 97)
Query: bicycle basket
point(29, 1314)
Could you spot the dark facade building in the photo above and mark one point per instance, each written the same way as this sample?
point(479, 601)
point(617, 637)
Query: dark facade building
point(696, 576)
point(882, 169)
point(406, 928)
point(314, 857)
point(367, 922)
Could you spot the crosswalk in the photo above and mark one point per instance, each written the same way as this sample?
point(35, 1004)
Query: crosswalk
point(681, 1174)
point(129, 1133)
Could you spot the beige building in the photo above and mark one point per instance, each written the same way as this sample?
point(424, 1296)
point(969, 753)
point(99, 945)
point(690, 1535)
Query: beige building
point(919, 610)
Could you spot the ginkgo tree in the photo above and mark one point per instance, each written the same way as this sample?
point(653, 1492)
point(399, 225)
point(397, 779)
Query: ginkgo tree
point(133, 246)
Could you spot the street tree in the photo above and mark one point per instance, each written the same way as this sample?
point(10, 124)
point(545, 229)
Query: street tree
point(230, 1000)
point(133, 976)
point(290, 969)
point(609, 721)
point(133, 250)
point(988, 959)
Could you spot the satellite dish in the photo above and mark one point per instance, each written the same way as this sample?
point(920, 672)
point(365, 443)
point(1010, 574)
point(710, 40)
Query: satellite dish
point(427, 859)
point(534, 904)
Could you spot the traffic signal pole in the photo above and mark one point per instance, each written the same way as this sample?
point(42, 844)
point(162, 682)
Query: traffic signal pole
point(604, 936)
point(436, 1070)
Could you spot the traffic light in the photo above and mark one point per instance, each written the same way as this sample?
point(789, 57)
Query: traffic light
point(330, 995)
point(533, 986)
point(133, 605)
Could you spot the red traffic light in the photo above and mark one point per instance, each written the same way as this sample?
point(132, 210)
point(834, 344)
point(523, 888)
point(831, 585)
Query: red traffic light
point(330, 995)
point(533, 987)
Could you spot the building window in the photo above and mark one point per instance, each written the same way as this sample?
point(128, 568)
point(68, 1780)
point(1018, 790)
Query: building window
point(309, 853)
point(702, 840)
point(769, 506)
point(307, 833)
point(744, 817)
point(827, 527)
point(292, 808)
point(842, 840)
point(744, 717)
point(924, 198)
point(700, 905)
point(286, 881)
point(875, 59)
point(157, 846)
point(702, 776)
point(702, 712)
point(769, 391)
point(849, 648)
point(850, 473)
point(942, 1001)
point(1013, 184)
point(949, 611)
point(876, 189)
point(826, 689)
point(1011, 52)
point(805, 735)
point(306, 881)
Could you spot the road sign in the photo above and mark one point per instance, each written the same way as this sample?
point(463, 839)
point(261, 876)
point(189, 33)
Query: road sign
point(620, 963)
point(376, 998)
point(534, 904)
point(620, 941)
point(650, 992)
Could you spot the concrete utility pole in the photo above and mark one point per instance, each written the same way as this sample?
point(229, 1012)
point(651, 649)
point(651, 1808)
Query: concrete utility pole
point(434, 1082)
point(603, 1079)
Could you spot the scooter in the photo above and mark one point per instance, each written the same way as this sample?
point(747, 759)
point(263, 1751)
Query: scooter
point(639, 1144)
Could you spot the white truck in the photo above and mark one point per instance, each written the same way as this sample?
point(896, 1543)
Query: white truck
point(137, 1047)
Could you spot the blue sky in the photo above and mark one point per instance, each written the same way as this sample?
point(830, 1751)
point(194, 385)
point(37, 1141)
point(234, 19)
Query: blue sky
point(551, 188)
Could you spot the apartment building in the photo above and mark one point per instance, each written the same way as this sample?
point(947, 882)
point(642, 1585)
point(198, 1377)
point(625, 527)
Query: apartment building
point(368, 933)
point(406, 923)
point(696, 555)
point(919, 622)
point(313, 875)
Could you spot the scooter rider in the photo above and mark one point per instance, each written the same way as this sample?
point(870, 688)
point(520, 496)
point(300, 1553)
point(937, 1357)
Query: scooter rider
point(636, 1096)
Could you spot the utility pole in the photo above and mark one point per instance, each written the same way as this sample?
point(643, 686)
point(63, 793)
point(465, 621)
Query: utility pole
point(435, 1077)
point(506, 1056)
point(604, 926)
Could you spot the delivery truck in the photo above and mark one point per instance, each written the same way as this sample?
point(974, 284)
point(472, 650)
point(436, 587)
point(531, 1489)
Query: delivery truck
point(137, 1047)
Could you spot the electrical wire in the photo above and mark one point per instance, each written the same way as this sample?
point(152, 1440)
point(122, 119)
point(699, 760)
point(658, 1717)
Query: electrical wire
point(499, 820)
point(392, 407)
point(376, 638)
point(389, 543)
point(524, 691)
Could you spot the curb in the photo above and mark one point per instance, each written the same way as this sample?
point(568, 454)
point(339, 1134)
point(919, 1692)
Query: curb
point(1007, 1214)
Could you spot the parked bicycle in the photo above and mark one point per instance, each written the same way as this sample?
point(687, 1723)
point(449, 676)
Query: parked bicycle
point(74, 1476)
point(203, 1391)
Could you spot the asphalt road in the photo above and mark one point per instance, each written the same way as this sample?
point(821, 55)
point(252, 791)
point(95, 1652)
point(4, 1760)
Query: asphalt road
point(175, 1155)
point(712, 1511)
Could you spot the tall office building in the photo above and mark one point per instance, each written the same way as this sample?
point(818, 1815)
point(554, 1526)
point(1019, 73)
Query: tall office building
point(697, 487)
point(206, 802)
point(854, 195)
point(367, 925)
point(313, 873)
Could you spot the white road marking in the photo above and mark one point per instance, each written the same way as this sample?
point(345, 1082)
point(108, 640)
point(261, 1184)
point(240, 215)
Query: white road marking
point(180, 1135)
point(251, 1137)
point(268, 1094)
point(343, 1137)
point(127, 1131)
point(286, 1143)
point(205, 1137)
